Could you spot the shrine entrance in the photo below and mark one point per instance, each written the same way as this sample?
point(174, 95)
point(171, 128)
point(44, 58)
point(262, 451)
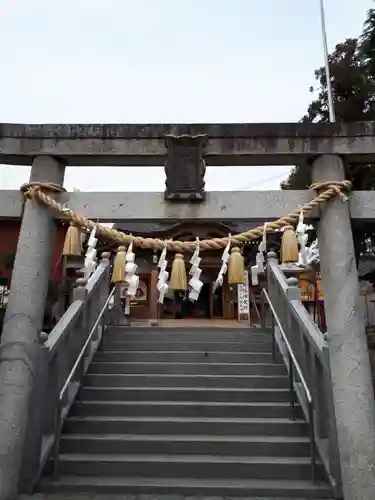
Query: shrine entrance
point(218, 304)
point(200, 309)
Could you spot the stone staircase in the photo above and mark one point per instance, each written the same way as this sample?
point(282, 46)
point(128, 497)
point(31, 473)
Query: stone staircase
point(186, 412)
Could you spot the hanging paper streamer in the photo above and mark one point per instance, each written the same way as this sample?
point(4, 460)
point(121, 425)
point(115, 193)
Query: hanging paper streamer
point(254, 275)
point(302, 240)
point(224, 265)
point(130, 272)
point(90, 257)
point(65, 207)
point(259, 259)
point(263, 244)
point(261, 249)
point(195, 284)
point(162, 285)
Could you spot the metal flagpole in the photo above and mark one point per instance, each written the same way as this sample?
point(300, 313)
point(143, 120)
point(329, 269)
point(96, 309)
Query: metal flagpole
point(332, 117)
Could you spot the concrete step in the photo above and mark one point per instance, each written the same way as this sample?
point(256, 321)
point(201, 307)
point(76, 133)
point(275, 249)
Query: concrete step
point(251, 489)
point(170, 380)
point(187, 466)
point(170, 367)
point(192, 335)
point(139, 345)
point(275, 446)
point(186, 426)
point(184, 409)
point(185, 357)
point(176, 394)
point(187, 329)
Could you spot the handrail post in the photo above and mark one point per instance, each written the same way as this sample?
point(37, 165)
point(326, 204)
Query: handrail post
point(262, 310)
point(333, 447)
point(273, 339)
point(104, 291)
point(271, 257)
point(80, 293)
point(293, 293)
point(312, 439)
point(118, 313)
point(291, 386)
point(105, 262)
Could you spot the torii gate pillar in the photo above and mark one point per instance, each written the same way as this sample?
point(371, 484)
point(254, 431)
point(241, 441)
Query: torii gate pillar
point(22, 325)
point(349, 357)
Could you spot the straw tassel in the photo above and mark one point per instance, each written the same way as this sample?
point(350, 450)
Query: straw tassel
point(289, 246)
point(73, 242)
point(178, 275)
point(118, 273)
point(236, 267)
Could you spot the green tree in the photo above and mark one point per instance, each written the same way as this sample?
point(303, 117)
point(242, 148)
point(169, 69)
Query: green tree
point(352, 67)
point(367, 41)
point(353, 89)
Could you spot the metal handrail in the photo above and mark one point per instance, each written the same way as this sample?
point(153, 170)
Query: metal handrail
point(290, 350)
point(71, 375)
point(252, 300)
point(294, 365)
point(88, 340)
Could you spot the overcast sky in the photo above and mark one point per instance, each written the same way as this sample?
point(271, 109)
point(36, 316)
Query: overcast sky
point(150, 61)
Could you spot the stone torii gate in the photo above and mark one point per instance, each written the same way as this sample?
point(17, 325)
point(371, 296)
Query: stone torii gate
point(185, 150)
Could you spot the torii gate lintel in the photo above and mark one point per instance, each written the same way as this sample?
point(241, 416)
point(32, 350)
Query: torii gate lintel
point(48, 147)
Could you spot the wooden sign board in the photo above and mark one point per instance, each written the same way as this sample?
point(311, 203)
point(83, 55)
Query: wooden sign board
point(243, 297)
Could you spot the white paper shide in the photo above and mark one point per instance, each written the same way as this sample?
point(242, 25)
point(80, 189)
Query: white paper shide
point(303, 257)
point(163, 276)
point(224, 266)
point(195, 284)
point(90, 256)
point(259, 259)
point(130, 272)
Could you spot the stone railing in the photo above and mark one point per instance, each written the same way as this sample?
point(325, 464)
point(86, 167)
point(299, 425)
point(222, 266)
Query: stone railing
point(63, 361)
point(290, 320)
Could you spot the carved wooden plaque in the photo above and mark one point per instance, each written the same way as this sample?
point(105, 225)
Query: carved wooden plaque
point(185, 168)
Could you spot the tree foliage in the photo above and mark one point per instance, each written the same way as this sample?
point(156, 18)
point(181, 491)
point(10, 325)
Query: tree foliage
point(352, 68)
point(367, 41)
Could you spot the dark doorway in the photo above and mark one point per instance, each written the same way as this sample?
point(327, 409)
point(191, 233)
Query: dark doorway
point(201, 308)
point(185, 308)
point(217, 303)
